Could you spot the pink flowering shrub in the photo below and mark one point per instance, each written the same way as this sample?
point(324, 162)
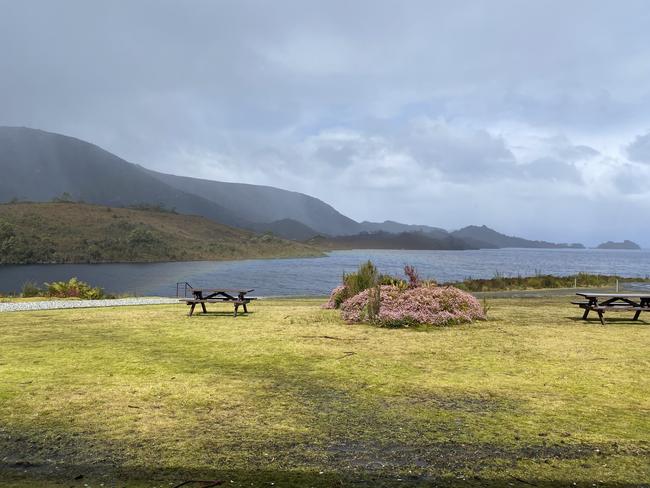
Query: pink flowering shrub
point(422, 305)
point(412, 275)
point(337, 297)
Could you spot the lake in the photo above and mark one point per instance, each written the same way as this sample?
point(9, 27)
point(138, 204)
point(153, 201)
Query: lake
point(317, 276)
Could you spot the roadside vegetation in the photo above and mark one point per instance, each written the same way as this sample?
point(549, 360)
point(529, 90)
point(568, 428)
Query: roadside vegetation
point(290, 395)
point(501, 282)
point(67, 232)
point(73, 288)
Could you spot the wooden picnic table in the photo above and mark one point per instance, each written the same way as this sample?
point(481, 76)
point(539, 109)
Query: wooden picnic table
point(603, 302)
point(201, 296)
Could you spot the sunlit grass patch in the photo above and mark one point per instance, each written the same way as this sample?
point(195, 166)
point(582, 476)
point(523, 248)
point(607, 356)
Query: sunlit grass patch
point(145, 396)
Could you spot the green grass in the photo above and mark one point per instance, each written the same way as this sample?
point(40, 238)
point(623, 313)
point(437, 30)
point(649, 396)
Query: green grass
point(290, 395)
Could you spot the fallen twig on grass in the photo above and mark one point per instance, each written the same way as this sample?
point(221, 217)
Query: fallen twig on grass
point(523, 481)
point(321, 337)
point(347, 354)
point(210, 483)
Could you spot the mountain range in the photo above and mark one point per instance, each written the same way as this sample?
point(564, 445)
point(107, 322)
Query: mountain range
point(41, 166)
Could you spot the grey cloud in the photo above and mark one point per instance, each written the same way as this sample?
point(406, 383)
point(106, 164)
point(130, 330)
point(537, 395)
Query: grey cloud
point(632, 179)
point(433, 97)
point(421, 146)
point(578, 153)
point(639, 149)
point(553, 170)
point(562, 148)
point(458, 152)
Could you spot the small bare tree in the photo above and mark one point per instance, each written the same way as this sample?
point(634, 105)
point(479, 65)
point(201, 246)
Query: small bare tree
point(412, 275)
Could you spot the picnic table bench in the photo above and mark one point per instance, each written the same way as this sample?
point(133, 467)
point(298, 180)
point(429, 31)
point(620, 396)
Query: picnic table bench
point(201, 296)
point(605, 302)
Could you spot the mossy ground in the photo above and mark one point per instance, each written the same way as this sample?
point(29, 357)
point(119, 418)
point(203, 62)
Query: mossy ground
point(292, 396)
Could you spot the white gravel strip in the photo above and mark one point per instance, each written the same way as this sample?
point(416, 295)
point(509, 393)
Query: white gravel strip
point(56, 304)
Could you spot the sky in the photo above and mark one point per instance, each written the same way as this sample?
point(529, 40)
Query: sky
point(530, 117)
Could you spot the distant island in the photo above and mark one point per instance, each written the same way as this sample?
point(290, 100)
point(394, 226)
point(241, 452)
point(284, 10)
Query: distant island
point(619, 245)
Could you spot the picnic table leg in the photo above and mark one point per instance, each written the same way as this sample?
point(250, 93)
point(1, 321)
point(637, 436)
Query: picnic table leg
point(586, 314)
point(241, 298)
point(636, 315)
point(192, 309)
point(236, 307)
point(203, 307)
point(600, 316)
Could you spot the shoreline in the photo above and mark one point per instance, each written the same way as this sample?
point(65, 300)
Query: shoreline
point(69, 263)
point(60, 303)
point(320, 253)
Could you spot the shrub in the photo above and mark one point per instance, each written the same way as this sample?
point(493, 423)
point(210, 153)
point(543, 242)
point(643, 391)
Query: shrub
point(337, 297)
point(74, 289)
point(152, 207)
point(366, 277)
point(65, 197)
point(412, 275)
point(500, 282)
point(7, 237)
point(390, 280)
point(31, 289)
point(374, 303)
point(422, 305)
point(142, 237)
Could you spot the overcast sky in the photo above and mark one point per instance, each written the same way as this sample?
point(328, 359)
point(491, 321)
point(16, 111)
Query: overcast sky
point(530, 117)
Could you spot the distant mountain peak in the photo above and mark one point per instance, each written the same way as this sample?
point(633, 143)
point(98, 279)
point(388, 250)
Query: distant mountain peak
point(484, 236)
point(39, 166)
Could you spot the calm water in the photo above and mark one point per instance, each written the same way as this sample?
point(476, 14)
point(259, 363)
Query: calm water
point(317, 276)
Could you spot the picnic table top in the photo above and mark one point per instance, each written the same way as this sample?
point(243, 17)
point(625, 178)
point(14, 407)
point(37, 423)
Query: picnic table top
point(614, 295)
point(216, 290)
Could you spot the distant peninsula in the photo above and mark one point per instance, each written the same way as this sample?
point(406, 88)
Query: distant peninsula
point(35, 233)
point(619, 245)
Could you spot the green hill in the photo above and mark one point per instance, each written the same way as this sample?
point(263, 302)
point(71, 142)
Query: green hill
point(486, 238)
point(37, 166)
point(82, 233)
point(265, 204)
point(387, 240)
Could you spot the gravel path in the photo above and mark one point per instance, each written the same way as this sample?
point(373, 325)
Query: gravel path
point(56, 304)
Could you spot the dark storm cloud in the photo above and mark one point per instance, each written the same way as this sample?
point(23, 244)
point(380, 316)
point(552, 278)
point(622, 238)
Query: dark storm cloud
point(449, 104)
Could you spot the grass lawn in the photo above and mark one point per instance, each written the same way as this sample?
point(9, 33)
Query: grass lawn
point(291, 396)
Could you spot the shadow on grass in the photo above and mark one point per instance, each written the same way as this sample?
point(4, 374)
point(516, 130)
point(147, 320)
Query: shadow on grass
point(50, 459)
point(221, 313)
point(608, 320)
point(135, 478)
